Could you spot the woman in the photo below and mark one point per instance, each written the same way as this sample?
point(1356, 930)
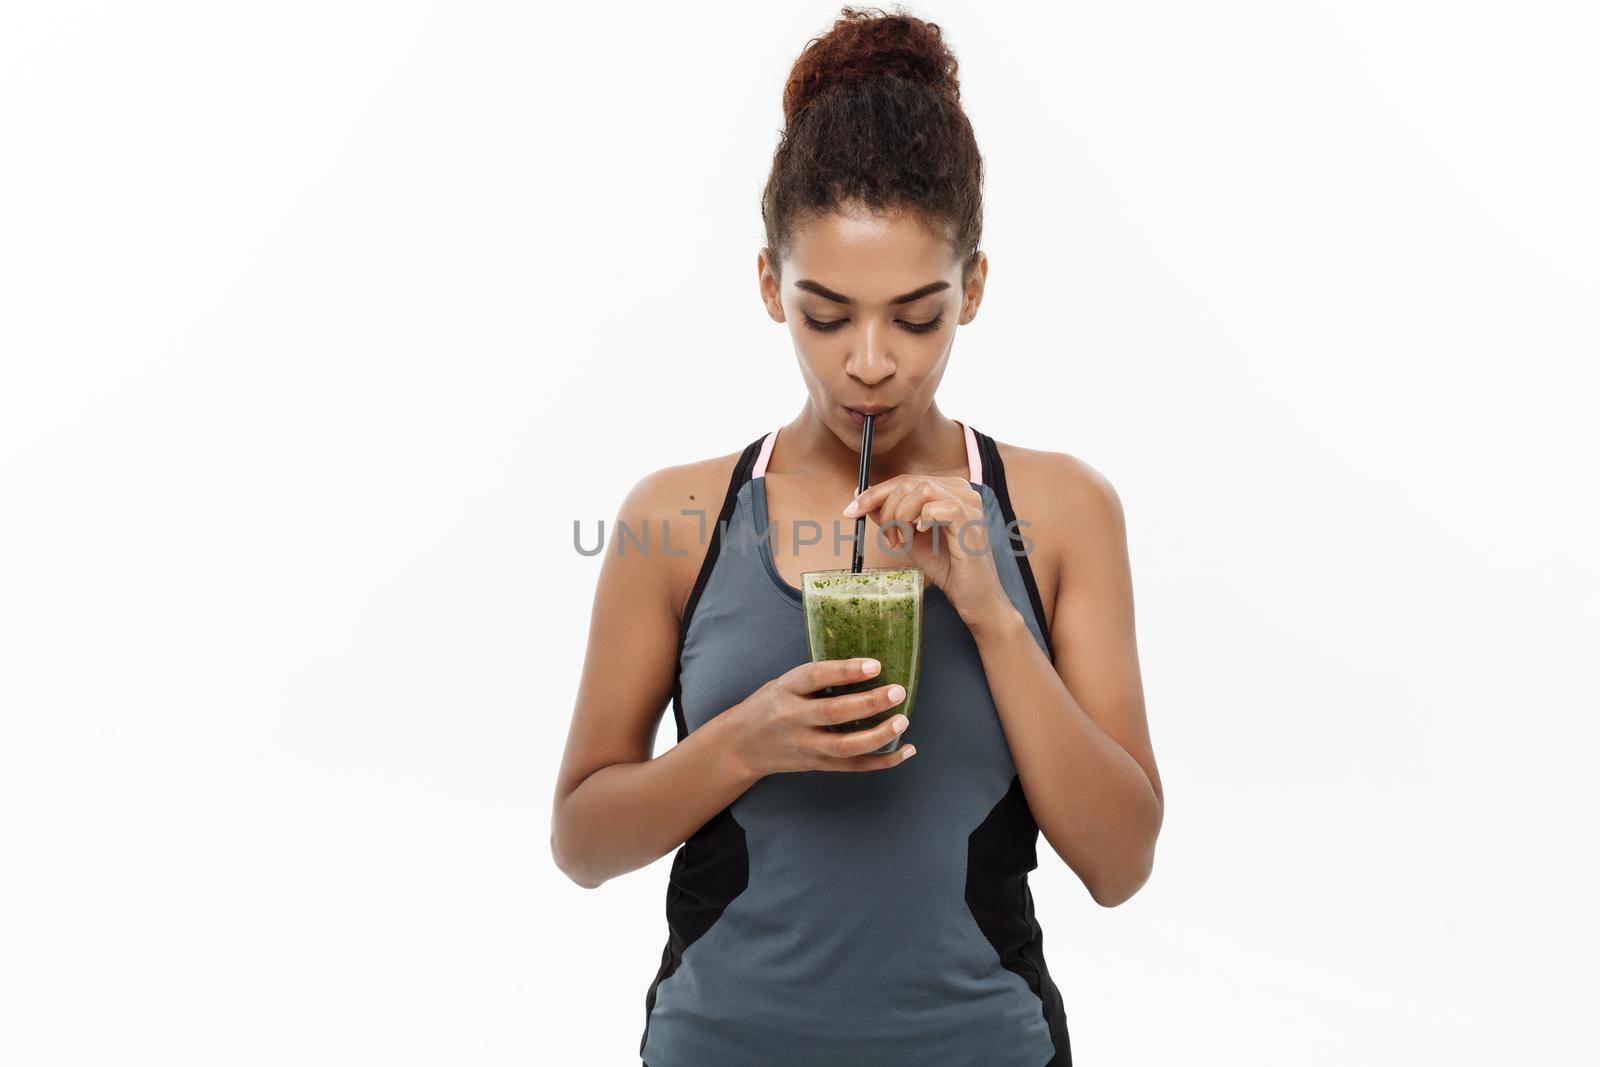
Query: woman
point(829, 904)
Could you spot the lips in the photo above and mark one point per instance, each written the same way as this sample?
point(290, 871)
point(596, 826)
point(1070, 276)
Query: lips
point(879, 415)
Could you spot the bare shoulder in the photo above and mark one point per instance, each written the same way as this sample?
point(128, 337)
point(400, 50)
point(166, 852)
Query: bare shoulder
point(666, 492)
point(669, 514)
point(1072, 510)
point(1057, 485)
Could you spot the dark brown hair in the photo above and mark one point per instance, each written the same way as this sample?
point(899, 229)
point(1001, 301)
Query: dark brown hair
point(872, 114)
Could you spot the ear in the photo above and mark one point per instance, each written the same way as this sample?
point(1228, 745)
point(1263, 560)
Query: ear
point(974, 291)
point(767, 279)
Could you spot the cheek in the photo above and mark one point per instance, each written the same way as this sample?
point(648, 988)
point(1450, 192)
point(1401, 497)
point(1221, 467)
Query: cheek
point(926, 353)
point(820, 353)
point(815, 361)
point(924, 368)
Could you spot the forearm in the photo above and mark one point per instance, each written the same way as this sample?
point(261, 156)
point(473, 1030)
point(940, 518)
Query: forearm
point(627, 815)
point(1093, 802)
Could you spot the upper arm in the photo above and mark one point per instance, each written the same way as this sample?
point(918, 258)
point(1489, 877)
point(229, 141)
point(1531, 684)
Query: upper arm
point(630, 660)
point(1092, 631)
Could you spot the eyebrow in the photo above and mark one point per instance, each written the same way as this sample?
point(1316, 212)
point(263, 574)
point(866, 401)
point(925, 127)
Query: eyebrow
point(828, 294)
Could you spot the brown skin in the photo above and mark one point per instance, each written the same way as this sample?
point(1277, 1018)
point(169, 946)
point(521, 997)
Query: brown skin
point(1075, 720)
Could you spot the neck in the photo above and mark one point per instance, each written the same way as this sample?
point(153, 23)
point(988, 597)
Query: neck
point(933, 443)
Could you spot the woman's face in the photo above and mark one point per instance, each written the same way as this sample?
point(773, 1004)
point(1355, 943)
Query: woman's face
point(872, 302)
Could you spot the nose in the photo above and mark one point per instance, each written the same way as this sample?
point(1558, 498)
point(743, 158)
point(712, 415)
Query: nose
point(870, 361)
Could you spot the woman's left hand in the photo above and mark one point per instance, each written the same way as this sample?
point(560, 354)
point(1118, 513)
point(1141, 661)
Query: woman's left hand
point(949, 539)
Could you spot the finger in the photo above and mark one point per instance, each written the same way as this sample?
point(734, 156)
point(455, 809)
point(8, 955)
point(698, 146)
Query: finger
point(944, 509)
point(867, 763)
point(952, 516)
point(819, 674)
point(869, 499)
point(908, 508)
point(853, 744)
point(883, 515)
point(848, 707)
point(939, 492)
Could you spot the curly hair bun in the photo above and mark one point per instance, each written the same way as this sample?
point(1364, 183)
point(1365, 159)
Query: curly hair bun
point(866, 43)
point(873, 117)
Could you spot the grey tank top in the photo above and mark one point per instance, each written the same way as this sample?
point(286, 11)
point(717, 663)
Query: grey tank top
point(871, 919)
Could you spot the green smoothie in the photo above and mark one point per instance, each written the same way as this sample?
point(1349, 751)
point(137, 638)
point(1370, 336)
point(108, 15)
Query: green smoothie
point(876, 613)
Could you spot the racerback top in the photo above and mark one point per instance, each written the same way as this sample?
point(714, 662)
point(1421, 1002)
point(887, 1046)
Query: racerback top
point(854, 919)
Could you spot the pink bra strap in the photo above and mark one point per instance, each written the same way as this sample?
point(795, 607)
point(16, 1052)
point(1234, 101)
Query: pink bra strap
point(760, 469)
point(974, 461)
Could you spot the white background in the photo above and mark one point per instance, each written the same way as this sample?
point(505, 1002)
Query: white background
point(322, 322)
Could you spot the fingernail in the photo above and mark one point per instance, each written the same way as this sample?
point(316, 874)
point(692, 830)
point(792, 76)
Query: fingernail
point(900, 723)
point(850, 509)
point(870, 666)
point(897, 693)
point(909, 750)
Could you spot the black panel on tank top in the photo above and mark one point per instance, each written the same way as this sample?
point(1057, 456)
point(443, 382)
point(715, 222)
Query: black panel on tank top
point(713, 866)
point(1002, 849)
point(994, 476)
point(1000, 852)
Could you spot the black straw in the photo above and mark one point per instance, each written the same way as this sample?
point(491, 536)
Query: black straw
point(861, 487)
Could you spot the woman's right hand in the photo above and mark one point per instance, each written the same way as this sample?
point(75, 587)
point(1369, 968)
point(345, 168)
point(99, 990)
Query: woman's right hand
point(782, 726)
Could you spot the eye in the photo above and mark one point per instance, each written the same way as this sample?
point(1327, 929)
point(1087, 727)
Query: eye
point(823, 327)
point(925, 327)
